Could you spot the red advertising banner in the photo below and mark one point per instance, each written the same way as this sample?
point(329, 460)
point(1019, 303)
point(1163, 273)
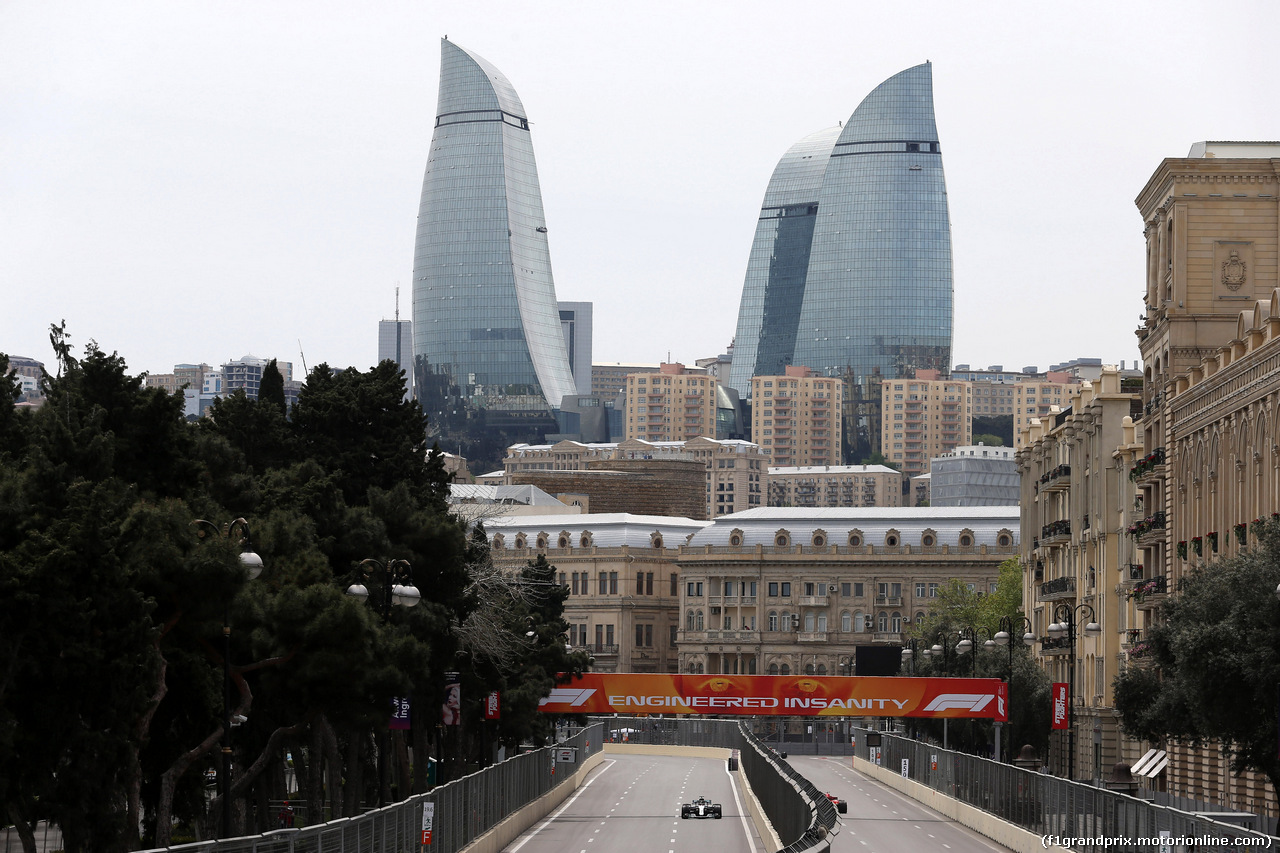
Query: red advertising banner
point(780, 695)
point(1061, 706)
point(492, 707)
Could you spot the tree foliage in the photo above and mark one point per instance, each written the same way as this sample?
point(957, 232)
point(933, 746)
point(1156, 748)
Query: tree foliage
point(1213, 661)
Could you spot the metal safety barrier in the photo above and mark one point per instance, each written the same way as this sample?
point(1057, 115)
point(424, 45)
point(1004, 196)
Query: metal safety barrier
point(1092, 819)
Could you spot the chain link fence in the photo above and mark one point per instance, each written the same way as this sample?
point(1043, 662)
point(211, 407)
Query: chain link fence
point(464, 809)
point(1049, 806)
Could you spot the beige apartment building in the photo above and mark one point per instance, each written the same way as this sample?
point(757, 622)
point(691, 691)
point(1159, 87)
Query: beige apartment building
point(1036, 398)
point(923, 417)
point(835, 486)
point(622, 576)
point(785, 591)
point(674, 404)
point(1078, 564)
point(735, 470)
point(796, 418)
point(1207, 462)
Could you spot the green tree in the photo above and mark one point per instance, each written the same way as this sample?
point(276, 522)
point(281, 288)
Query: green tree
point(998, 426)
point(1214, 662)
point(271, 387)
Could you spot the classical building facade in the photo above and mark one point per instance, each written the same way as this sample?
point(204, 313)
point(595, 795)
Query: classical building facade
point(622, 575)
point(486, 328)
point(923, 417)
point(795, 417)
point(850, 268)
point(835, 486)
point(1207, 448)
point(1078, 562)
point(782, 591)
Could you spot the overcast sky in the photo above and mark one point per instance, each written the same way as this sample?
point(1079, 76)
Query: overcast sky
point(198, 181)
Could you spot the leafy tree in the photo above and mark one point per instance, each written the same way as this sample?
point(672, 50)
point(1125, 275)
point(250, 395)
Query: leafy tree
point(1214, 662)
point(988, 440)
point(271, 387)
point(997, 427)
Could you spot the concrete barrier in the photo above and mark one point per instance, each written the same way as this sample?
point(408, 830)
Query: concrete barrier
point(997, 829)
point(517, 822)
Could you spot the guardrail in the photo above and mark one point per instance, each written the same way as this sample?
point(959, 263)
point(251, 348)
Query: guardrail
point(1051, 806)
point(464, 810)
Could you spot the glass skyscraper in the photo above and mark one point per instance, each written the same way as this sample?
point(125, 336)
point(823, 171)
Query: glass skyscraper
point(486, 329)
point(850, 270)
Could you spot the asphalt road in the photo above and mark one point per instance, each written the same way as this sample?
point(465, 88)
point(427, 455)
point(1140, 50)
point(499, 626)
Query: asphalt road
point(631, 804)
point(880, 820)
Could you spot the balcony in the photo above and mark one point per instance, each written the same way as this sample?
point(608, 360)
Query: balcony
point(1054, 646)
point(1148, 467)
point(811, 636)
point(1056, 480)
point(886, 637)
point(813, 601)
point(1149, 530)
point(1057, 589)
point(888, 601)
point(601, 650)
point(1148, 594)
point(1055, 533)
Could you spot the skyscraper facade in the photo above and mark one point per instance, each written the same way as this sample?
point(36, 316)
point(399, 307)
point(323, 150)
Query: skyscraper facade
point(395, 343)
point(850, 270)
point(486, 328)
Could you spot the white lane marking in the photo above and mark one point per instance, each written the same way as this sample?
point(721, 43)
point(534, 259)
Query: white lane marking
point(742, 813)
point(578, 793)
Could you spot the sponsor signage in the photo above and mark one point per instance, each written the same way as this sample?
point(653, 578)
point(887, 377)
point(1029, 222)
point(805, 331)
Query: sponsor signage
point(492, 707)
point(1061, 709)
point(399, 713)
point(780, 695)
point(428, 819)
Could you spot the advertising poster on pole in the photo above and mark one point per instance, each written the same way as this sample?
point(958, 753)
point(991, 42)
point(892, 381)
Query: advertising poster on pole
point(1061, 706)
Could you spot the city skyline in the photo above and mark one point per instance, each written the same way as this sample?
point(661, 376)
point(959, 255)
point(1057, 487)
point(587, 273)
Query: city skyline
point(188, 185)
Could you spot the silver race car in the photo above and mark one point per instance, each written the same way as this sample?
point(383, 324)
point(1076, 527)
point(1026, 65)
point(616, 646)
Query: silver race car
point(700, 808)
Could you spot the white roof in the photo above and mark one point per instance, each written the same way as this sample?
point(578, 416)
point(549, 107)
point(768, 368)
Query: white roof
point(833, 469)
point(479, 493)
point(608, 529)
point(760, 526)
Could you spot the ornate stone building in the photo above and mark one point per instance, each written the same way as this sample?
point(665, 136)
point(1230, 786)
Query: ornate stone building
point(786, 590)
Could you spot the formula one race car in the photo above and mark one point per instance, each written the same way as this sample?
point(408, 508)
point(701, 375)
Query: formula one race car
point(841, 806)
point(700, 808)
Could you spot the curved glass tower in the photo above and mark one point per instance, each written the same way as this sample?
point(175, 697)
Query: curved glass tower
point(875, 296)
point(485, 323)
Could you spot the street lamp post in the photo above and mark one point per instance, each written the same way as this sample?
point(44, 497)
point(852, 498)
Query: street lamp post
point(1067, 617)
point(397, 588)
point(252, 564)
point(1004, 637)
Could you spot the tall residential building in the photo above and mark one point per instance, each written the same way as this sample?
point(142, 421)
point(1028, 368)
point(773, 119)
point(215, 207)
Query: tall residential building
point(796, 417)
point(610, 380)
point(850, 269)
point(486, 325)
point(575, 322)
point(1038, 399)
point(924, 417)
point(395, 343)
point(245, 374)
point(674, 404)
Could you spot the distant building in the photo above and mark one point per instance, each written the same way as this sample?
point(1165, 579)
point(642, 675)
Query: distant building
point(245, 374)
point(610, 380)
point(795, 417)
point(395, 343)
point(734, 470)
point(835, 486)
point(790, 591)
point(1039, 399)
point(486, 503)
point(575, 322)
point(674, 404)
point(923, 417)
point(974, 476)
point(622, 577)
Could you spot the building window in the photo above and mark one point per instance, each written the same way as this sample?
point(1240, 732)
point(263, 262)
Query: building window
point(846, 589)
point(648, 583)
point(933, 590)
point(773, 589)
point(773, 620)
point(920, 590)
point(675, 584)
point(786, 589)
point(604, 583)
point(846, 622)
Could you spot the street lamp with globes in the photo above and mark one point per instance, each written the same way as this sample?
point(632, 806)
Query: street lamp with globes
point(1067, 618)
point(252, 565)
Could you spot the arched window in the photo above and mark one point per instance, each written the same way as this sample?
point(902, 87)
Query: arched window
point(773, 669)
point(786, 669)
point(859, 621)
point(819, 538)
point(855, 539)
point(521, 541)
point(822, 621)
point(891, 540)
point(822, 669)
point(542, 540)
point(786, 622)
point(919, 617)
point(655, 540)
point(883, 621)
point(782, 539)
point(809, 669)
point(688, 621)
point(966, 541)
point(585, 541)
point(563, 541)
point(773, 620)
point(927, 540)
point(895, 623)
point(1004, 541)
point(698, 620)
point(497, 541)
point(846, 622)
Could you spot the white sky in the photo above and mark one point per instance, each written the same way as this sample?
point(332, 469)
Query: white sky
point(197, 181)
